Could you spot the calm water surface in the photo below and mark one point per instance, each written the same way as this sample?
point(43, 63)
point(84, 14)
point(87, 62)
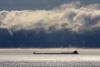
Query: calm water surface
point(26, 58)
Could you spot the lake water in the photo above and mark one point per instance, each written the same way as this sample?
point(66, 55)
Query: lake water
point(26, 58)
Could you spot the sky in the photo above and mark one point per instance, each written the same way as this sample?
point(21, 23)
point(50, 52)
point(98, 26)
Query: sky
point(49, 23)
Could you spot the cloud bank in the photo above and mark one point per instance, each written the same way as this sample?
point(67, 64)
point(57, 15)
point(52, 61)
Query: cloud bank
point(67, 25)
point(73, 17)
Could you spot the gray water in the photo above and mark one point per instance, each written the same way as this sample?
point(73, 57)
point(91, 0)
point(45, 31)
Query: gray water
point(25, 58)
point(49, 64)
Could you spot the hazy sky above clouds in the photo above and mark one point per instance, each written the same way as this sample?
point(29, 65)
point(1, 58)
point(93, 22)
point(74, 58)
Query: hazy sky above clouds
point(30, 4)
point(38, 4)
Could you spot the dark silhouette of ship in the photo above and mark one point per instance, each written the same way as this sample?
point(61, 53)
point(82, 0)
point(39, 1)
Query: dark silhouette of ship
point(74, 52)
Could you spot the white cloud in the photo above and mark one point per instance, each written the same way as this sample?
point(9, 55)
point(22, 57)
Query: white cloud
point(67, 16)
